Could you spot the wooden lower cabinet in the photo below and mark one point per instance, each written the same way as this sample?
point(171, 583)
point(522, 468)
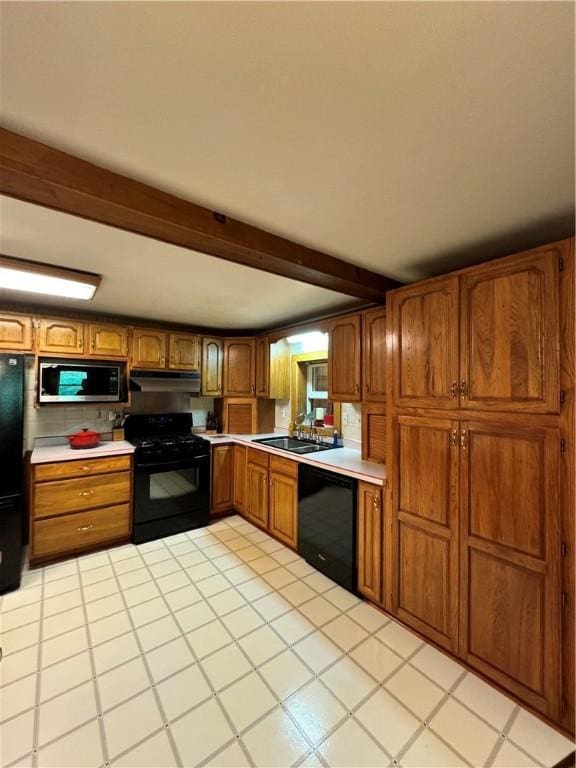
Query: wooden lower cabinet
point(283, 513)
point(510, 580)
point(222, 479)
point(240, 452)
point(370, 522)
point(257, 463)
point(75, 506)
point(425, 527)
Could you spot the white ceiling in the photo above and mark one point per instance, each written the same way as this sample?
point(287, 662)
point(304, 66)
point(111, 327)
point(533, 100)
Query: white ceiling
point(404, 137)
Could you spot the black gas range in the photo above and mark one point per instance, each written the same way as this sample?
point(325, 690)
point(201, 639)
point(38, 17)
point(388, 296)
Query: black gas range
point(171, 477)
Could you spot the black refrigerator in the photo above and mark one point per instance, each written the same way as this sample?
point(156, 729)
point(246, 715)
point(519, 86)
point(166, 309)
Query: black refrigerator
point(11, 469)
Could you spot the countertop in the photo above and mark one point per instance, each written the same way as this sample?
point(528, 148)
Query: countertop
point(48, 453)
point(346, 461)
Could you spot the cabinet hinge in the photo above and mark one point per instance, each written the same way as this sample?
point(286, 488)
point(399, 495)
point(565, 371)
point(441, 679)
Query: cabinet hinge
point(562, 445)
point(560, 264)
point(563, 599)
point(563, 549)
point(562, 396)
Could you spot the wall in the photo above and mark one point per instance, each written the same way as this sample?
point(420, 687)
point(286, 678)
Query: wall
point(60, 420)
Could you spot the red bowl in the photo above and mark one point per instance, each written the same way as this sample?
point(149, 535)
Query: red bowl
point(87, 438)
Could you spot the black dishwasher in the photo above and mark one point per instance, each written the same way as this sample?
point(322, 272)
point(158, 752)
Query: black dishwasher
point(327, 523)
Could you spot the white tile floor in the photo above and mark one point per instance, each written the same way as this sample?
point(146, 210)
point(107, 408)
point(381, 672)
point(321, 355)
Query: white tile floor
point(221, 647)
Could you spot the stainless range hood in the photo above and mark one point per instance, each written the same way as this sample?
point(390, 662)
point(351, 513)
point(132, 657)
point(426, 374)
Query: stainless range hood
point(162, 381)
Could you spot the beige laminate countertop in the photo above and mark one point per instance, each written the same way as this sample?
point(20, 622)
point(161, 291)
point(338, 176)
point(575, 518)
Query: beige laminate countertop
point(345, 461)
point(47, 453)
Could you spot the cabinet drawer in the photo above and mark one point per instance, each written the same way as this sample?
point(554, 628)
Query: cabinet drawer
point(285, 466)
point(62, 469)
point(80, 531)
point(64, 496)
point(258, 457)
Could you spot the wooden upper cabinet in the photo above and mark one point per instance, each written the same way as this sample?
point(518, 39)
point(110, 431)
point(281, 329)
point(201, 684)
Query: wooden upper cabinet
point(108, 340)
point(16, 332)
point(374, 432)
point(184, 351)
point(370, 523)
point(425, 328)
point(212, 361)
point(374, 354)
point(239, 367)
point(262, 366)
point(510, 544)
point(222, 478)
point(148, 348)
point(344, 359)
point(62, 337)
point(510, 334)
point(425, 522)
point(280, 372)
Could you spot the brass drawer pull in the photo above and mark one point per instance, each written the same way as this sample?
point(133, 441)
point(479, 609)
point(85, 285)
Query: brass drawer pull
point(86, 493)
point(454, 437)
point(463, 388)
point(454, 390)
point(85, 469)
point(85, 528)
point(463, 441)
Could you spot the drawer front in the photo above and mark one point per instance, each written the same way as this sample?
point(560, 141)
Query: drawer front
point(64, 496)
point(258, 457)
point(62, 469)
point(80, 531)
point(285, 466)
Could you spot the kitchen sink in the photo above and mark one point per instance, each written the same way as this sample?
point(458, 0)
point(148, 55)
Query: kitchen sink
point(294, 445)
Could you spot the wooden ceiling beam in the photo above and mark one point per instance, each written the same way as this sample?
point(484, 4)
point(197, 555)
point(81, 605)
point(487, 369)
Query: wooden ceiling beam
point(40, 174)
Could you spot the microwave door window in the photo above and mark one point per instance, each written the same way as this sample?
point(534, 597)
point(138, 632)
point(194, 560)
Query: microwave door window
point(72, 383)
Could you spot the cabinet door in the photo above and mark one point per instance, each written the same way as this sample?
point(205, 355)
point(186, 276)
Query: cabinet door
point(370, 541)
point(263, 367)
point(374, 354)
point(239, 367)
point(108, 340)
point(510, 618)
point(425, 332)
point(240, 416)
point(184, 351)
point(344, 359)
point(374, 432)
point(283, 507)
point(148, 348)
point(425, 523)
point(16, 333)
point(257, 494)
point(61, 337)
point(240, 478)
point(222, 478)
point(510, 335)
point(212, 359)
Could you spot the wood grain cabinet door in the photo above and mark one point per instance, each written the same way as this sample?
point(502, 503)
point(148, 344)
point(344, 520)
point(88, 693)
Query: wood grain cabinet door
point(148, 348)
point(240, 478)
point(425, 333)
point(263, 367)
point(222, 478)
point(239, 367)
point(425, 524)
point(374, 354)
point(64, 337)
point(108, 340)
point(283, 507)
point(510, 335)
point(370, 541)
point(256, 492)
point(510, 588)
point(184, 351)
point(344, 359)
point(16, 333)
point(374, 432)
point(212, 360)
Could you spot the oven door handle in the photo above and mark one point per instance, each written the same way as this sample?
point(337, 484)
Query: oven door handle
point(168, 465)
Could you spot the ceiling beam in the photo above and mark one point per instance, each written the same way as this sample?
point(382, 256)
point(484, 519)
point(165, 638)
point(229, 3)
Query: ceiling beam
point(40, 174)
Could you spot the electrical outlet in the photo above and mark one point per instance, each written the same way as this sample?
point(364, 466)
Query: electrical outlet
point(283, 412)
point(345, 419)
point(111, 415)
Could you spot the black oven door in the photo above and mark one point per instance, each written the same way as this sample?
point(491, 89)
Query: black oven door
point(170, 498)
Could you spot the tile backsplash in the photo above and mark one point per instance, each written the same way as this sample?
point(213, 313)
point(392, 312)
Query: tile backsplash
point(61, 420)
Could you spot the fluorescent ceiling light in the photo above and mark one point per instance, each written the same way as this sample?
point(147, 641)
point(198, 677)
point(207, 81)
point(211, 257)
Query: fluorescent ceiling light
point(311, 342)
point(33, 277)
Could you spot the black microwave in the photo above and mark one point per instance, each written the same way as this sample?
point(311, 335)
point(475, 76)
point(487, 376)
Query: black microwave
point(71, 381)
